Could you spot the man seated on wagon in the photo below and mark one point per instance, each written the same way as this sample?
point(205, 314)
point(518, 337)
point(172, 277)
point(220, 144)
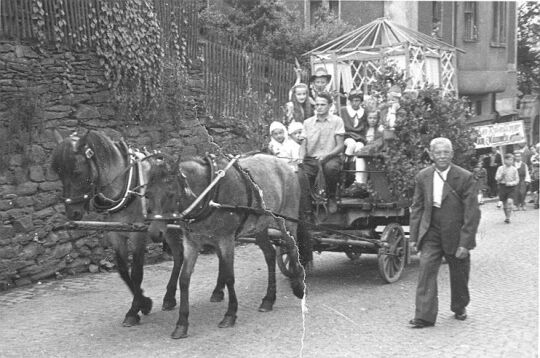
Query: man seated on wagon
point(324, 135)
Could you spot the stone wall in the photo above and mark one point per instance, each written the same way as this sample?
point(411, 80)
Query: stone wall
point(29, 189)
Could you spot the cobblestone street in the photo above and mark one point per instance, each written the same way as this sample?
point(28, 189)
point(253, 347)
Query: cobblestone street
point(350, 311)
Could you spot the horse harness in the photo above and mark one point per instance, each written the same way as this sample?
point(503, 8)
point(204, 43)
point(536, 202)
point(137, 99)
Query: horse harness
point(208, 197)
point(134, 182)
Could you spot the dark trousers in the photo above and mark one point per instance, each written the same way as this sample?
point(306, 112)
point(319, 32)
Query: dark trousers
point(491, 182)
point(427, 301)
point(331, 172)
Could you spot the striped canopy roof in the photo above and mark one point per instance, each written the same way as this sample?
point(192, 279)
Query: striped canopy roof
point(378, 33)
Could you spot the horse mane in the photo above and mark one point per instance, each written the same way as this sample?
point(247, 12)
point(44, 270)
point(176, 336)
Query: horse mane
point(63, 157)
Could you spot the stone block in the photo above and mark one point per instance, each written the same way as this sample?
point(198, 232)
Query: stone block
point(54, 115)
point(23, 282)
point(26, 188)
point(23, 201)
point(50, 174)
point(93, 268)
point(51, 186)
point(15, 214)
point(60, 108)
point(45, 200)
point(31, 251)
point(6, 205)
point(25, 51)
point(6, 232)
point(22, 239)
point(8, 252)
point(62, 250)
point(36, 173)
point(44, 213)
point(51, 239)
point(6, 47)
point(86, 112)
point(16, 160)
point(23, 224)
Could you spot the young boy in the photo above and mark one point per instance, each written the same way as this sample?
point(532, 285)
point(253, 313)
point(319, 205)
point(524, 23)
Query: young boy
point(507, 177)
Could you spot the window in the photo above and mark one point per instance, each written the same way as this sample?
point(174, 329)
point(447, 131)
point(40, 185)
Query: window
point(436, 20)
point(320, 5)
point(498, 37)
point(471, 28)
point(478, 108)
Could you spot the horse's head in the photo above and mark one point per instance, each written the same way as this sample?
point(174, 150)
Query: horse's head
point(72, 161)
point(167, 193)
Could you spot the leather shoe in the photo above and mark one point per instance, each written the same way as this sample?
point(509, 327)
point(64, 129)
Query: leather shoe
point(461, 316)
point(420, 323)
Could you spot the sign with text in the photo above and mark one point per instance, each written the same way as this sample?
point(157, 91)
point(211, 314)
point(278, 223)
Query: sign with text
point(495, 135)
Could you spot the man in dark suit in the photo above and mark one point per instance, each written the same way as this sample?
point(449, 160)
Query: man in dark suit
point(443, 222)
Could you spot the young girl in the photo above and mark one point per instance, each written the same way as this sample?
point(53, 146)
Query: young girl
point(373, 135)
point(507, 177)
point(278, 132)
point(299, 108)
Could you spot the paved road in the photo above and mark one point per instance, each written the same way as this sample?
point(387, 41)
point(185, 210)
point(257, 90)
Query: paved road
point(350, 311)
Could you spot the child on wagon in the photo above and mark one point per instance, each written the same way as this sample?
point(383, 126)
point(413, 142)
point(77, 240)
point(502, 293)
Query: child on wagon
point(292, 145)
point(299, 108)
point(278, 133)
point(373, 142)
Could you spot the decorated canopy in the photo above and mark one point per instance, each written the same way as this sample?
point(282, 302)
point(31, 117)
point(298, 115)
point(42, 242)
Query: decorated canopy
point(354, 58)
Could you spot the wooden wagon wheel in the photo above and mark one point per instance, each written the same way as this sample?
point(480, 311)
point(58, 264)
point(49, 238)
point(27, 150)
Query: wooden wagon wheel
point(283, 261)
point(393, 254)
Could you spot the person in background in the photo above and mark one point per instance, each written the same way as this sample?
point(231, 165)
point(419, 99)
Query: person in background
point(535, 176)
point(320, 83)
point(480, 174)
point(524, 181)
point(278, 132)
point(390, 108)
point(323, 145)
point(493, 162)
point(299, 108)
point(507, 178)
point(443, 223)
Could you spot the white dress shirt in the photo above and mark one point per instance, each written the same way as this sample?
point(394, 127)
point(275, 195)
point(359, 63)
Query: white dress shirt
point(438, 185)
point(356, 115)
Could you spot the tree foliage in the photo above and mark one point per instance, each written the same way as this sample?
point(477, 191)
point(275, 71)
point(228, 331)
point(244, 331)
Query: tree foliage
point(529, 47)
point(270, 27)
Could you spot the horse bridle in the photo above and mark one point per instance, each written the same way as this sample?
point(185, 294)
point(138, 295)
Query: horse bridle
point(88, 155)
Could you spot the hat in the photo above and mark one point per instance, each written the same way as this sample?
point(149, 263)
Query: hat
point(395, 91)
point(356, 93)
point(320, 72)
point(277, 125)
point(295, 126)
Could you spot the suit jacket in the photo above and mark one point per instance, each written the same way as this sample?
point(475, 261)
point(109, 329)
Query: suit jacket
point(460, 210)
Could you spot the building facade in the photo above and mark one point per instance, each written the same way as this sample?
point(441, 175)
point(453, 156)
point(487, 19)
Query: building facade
point(485, 30)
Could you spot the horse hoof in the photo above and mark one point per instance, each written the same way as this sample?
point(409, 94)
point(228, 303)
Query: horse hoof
point(266, 306)
point(168, 305)
point(131, 321)
point(228, 321)
point(146, 306)
point(179, 332)
point(217, 296)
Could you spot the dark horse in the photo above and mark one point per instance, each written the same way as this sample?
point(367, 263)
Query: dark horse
point(261, 182)
point(97, 172)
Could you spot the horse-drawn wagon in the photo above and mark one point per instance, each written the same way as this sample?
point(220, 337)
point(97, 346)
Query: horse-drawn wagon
point(223, 199)
point(362, 225)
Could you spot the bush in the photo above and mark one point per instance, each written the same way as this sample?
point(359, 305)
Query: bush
point(429, 115)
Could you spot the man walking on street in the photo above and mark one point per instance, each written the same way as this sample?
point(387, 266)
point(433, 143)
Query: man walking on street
point(443, 222)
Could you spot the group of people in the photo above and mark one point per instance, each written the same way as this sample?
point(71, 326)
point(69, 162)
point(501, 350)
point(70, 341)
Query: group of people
point(314, 135)
point(510, 177)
